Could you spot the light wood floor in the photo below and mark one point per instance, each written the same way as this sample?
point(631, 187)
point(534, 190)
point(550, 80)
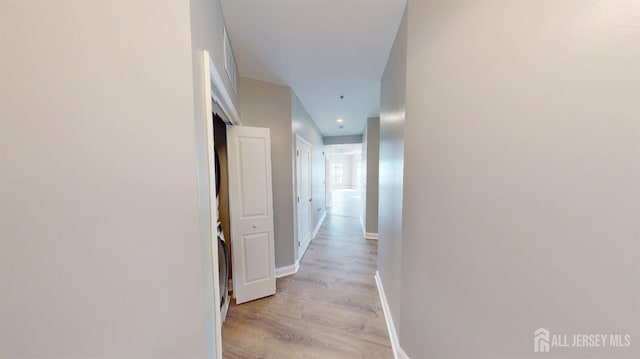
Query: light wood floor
point(346, 202)
point(329, 309)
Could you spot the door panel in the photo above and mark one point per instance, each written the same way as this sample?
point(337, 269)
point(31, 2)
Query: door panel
point(257, 264)
point(253, 177)
point(251, 212)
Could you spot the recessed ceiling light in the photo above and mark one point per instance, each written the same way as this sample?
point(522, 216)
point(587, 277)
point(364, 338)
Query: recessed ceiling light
point(340, 120)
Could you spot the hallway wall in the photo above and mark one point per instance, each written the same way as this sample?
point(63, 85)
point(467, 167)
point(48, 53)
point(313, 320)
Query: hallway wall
point(100, 248)
point(521, 190)
point(268, 105)
point(370, 164)
point(302, 124)
point(277, 108)
point(342, 140)
point(207, 32)
point(391, 169)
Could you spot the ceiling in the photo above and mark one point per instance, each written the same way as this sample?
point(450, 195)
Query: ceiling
point(322, 49)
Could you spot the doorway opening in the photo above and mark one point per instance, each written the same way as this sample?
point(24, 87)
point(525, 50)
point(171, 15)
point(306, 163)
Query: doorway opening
point(222, 202)
point(344, 180)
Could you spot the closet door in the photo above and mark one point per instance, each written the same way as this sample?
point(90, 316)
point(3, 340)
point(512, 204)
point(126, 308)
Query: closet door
point(251, 212)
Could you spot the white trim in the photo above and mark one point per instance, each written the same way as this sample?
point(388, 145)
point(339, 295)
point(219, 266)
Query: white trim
point(217, 320)
point(398, 353)
point(303, 140)
point(317, 229)
point(230, 63)
point(219, 92)
point(287, 270)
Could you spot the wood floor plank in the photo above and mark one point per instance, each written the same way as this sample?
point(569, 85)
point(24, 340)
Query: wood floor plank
point(330, 309)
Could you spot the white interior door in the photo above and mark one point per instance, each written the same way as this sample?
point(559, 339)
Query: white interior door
point(303, 181)
point(251, 212)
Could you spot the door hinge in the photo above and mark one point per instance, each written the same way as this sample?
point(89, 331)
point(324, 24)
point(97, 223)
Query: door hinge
point(297, 152)
point(298, 199)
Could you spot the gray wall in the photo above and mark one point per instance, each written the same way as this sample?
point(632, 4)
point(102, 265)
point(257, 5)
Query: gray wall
point(207, 32)
point(302, 124)
point(278, 108)
point(370, 162)
point(207, 29)
point(100, 250)
point(342, 140)
point(267, 105)
point(392, 119)
point(521, 179)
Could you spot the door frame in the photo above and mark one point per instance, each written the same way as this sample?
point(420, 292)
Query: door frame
point(295, 195)
point(215, 95)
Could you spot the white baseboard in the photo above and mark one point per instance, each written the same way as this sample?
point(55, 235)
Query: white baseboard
point(317, 229)
point(369, 235)
point(365, 234)
point(287, 270)
point(398, 353)
point(293, 269)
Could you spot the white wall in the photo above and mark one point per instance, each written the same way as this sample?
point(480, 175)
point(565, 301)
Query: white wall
point(356, 171)
point(99, 222)
point(521, 198)
point(348, 170)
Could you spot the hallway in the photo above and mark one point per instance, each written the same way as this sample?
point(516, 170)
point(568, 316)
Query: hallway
point(330, 309)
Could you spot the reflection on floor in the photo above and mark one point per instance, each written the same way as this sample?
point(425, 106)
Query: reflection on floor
point(346, 202)
point(330, 309)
